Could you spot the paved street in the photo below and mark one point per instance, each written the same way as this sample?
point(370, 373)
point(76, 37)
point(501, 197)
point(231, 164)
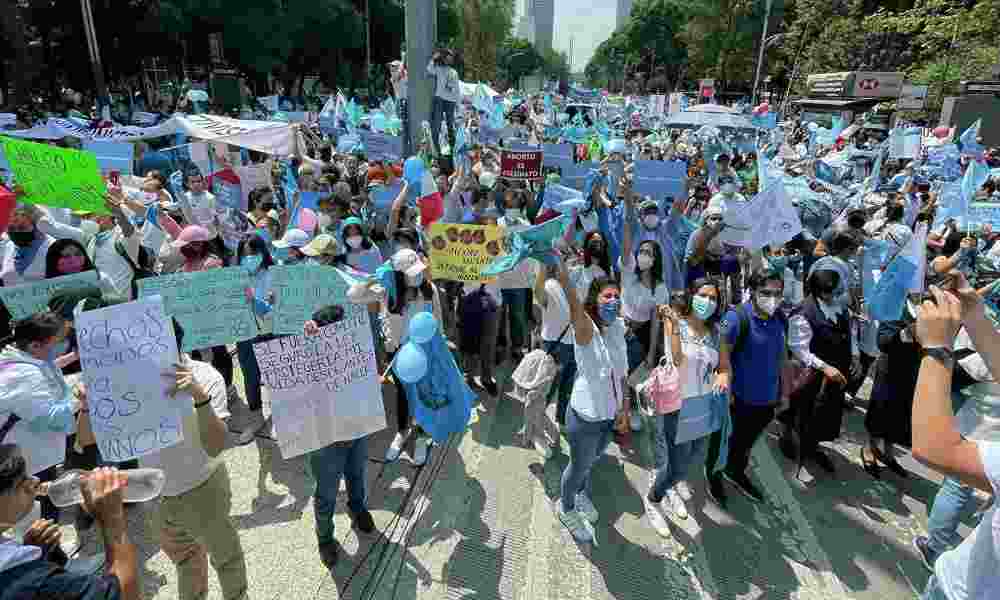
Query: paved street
point(476, 523)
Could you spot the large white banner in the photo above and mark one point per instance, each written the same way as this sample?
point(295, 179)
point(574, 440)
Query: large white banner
point(769, 218)
point(124, 351)
point(324, 388)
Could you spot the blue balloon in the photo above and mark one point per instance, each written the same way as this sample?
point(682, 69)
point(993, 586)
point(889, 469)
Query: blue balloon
point(423, 327)
point(411, 363)
point(378, 122)
point(413, 170)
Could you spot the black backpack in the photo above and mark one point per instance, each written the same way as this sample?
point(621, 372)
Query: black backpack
point(139, 271)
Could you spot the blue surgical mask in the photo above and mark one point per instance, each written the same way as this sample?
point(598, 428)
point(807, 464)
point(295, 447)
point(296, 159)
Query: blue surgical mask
point(251, 262)
point(608, 311)
point(703, 307)
point(58, 350)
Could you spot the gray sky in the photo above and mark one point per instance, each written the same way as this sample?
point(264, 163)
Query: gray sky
point(589, 22)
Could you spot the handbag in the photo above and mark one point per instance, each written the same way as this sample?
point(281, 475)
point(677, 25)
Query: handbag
point(537, 368)
point(795, 376)
point(663, 387)
point(701, 416)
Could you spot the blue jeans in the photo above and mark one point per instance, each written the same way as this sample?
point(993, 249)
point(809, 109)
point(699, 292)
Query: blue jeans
point(933, 591)
point(340, 459)
point(672, 460)
point(563, 385)
point(587, 442)
point(446, 109)
point(953, 500)
point(515, 311)
point(251, 371)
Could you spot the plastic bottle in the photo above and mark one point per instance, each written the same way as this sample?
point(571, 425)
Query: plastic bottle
point(143, 485)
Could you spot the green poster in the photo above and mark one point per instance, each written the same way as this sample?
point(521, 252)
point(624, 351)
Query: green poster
point(56, 176)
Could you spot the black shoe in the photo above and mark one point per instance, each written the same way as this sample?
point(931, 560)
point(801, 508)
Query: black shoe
point(890, 461)
point(84, 520)
point(743, 484)
point(824, 461)
point(926, 554)
point(716, 491)
point(491, 387)
point(364, 522)
point(328, 553)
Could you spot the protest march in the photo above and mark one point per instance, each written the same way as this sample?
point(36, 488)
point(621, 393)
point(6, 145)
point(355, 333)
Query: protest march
point(668, 279)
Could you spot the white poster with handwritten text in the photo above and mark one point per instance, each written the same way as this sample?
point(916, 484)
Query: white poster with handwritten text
point(324, 388)
point(124, 350)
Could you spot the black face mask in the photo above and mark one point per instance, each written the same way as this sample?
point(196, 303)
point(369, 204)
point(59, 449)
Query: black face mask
point(595, 248)
point(22, 239)
point(856, 222)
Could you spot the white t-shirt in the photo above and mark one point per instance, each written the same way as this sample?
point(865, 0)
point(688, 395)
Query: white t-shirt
point(186, 464)
point(581, 277)
point(601, 365)
point(701, 357)
point(638, 301)
point(555, 316)
point(972, 571)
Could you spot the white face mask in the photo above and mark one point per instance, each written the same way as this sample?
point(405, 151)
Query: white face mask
point(324, 220)
point(355, 241)
point(415, 281)
point(644, 261)
point(651, 221)
point(767, 305)
point(514, 213)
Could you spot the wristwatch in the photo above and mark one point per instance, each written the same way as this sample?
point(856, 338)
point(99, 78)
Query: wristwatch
point(941, 353)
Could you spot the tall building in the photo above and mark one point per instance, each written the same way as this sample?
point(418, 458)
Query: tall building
point(622, 13)
point(543, 17)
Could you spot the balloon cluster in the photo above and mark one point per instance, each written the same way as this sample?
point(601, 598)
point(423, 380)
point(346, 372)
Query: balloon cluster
point(411, 361)
point(413, 170)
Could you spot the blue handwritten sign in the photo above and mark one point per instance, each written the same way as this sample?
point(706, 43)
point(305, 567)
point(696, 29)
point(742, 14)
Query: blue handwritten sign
point(981, 213)
point(299, 290)
point(658, 178)
point(380, 146)
point(556, 155)
point(26, 299)
point(210, 305)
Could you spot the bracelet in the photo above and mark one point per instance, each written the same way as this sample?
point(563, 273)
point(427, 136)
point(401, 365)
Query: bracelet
point(205, 403)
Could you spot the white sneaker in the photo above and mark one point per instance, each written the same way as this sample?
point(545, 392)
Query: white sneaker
point(578, 526)
point(683, 489)
point(655, 516)
point(586, 508)
point(676, 504)
point(635, 421)
point(420, 449)
point(396, 447)
point(543, 449)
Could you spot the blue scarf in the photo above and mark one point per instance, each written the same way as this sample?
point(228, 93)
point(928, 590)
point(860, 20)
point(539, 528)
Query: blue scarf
point(23, 256)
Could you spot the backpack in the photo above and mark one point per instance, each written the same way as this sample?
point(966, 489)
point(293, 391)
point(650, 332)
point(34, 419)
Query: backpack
point(744, 329)
point(139, 271)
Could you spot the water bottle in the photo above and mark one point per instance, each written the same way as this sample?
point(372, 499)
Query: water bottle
point(143, 485)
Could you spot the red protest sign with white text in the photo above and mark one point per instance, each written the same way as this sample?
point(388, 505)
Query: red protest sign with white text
point(517, 164)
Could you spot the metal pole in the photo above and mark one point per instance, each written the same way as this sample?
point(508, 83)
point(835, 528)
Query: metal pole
point(760, 55)
point(95, 54)
point(420, 25)
point(368, 49)
point(947, 65)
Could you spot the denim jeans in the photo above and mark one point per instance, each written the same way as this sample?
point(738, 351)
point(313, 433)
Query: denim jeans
point(446, 109)
point(933, 591)
point(563, 384)
point(251, 371)
point(672, 460)
point(953, 500)
point(515, 311)
point(587, 442)
point(341, 459)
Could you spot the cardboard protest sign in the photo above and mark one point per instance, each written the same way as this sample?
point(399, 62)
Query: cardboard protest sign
point(210, 305)
point(660, 178)
point(299, 290)
point(556, 155)
point(981, 213)
point(323, 388)
point(112, 156)
point(521, 164)
point(379, 146)
point(26, 299)
point(460, 252)
point(56, 176)
point(124, 350)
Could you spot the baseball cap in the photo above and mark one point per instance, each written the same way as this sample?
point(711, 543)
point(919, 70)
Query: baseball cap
point(408, 262)
point(192, 233)
point(293, 238)
point(323, 243)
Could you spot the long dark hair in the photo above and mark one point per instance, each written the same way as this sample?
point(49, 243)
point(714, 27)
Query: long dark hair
point(366, 242)
point(822, 282)
point(400, 301)
point(696, 285)
point(603, 259)
point(36, 328)
point(259, 246)
point(55, 253)
point(656, 269)
point(590, 304)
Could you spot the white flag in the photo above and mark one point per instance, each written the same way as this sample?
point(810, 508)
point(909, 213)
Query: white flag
point(769, 218)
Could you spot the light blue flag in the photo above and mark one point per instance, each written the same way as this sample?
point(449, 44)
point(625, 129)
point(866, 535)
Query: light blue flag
point(968, 139)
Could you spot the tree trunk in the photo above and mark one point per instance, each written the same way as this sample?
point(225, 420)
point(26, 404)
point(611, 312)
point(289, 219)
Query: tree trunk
point(14, 28)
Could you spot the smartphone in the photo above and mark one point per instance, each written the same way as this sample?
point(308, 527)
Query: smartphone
point(115, 177)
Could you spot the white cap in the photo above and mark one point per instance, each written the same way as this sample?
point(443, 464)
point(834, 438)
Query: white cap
point(408, 262)
point(293, 238)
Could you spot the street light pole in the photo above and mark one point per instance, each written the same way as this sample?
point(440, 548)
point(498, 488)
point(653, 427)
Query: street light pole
point(95, 54)
point(760, 55)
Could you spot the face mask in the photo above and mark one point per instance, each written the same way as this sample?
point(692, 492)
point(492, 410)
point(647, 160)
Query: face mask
point(355, 241)
point(651, 221)
point(22, 239)
point(608, 311)
point(415, 281)
point(595, 248)
point(252, 262)
point(644, 261)
point(767, 305)
point(70, 264)
point(137, 221)
point(703, 307)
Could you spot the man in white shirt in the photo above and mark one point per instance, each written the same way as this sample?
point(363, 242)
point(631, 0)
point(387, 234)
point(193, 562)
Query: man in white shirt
point(446, 95)
point(196, 499)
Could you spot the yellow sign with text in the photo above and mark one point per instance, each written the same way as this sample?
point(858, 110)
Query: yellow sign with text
point(461, 252)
